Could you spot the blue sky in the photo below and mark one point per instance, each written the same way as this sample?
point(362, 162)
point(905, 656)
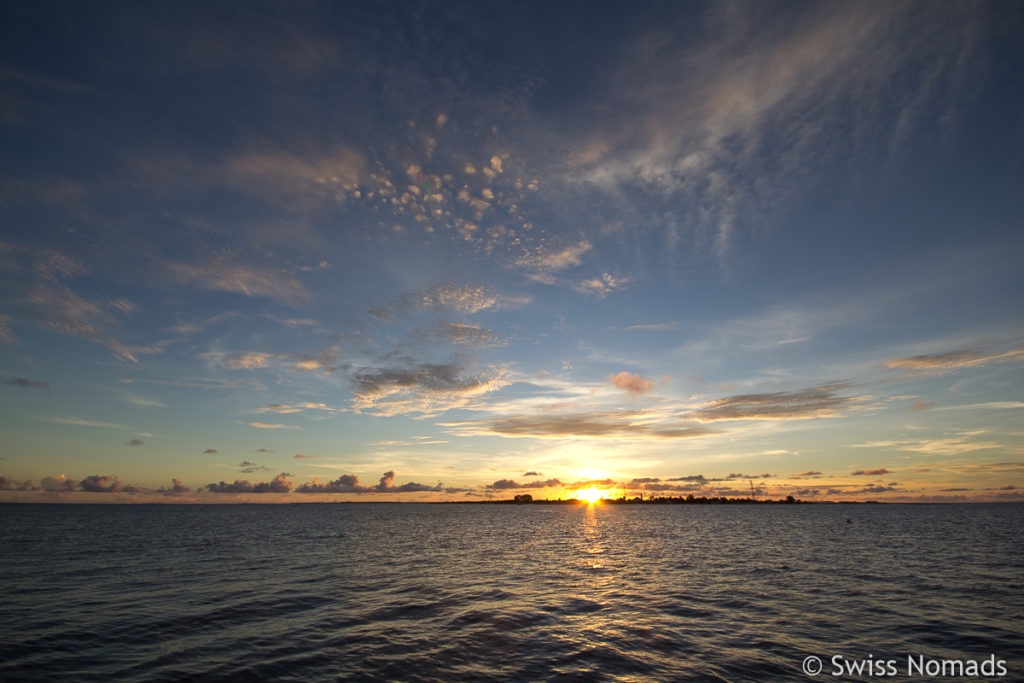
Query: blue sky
point(356, 251)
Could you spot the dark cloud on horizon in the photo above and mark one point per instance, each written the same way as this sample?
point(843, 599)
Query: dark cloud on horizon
point(106, 484)
point(176, 489)
point(279, 484)
point(871, 473)
point(877, 489)
point(349, 483)
point(9, 484)
point(503, 484)
point(136, 442)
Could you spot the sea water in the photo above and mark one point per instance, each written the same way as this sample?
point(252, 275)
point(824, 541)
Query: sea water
point(421, 592)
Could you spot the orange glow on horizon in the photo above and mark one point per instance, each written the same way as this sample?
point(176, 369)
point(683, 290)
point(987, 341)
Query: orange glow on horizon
point(591, 495)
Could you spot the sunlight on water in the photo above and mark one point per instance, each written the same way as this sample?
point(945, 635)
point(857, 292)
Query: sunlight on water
point(436, 592)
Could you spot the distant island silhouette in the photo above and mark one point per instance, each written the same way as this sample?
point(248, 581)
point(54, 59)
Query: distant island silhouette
point(527, 499)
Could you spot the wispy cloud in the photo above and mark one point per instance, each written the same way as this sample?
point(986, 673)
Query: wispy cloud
point(241, 278)
point(603, 285)
point(268, 425)
point(447, 296)
point(425, 388)
point(80, 422)
point(595, 425)
point(952, 360)
point(954, 445)
point(815, 402)
point(463, 334)
point(742, 119)
point(657, 327)
point(543, 262)
point(26, 383)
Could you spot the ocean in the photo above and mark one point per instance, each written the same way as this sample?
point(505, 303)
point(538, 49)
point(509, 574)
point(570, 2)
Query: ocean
point(448, 592)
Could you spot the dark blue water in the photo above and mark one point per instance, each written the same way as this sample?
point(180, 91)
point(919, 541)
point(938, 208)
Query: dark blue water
point(500, 592)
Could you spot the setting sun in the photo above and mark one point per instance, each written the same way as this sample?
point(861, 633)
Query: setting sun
point(591, 495)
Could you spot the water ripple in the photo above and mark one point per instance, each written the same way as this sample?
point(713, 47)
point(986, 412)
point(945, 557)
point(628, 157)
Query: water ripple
point(478, 593)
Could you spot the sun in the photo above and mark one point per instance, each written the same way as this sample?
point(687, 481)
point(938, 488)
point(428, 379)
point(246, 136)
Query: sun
point(591, 495)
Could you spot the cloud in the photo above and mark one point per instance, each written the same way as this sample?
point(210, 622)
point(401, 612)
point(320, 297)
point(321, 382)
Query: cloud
point(658, 327)
point(176, 489)
point(300, 456)
point(989, 405)
point(815, 402)
point(284, 409)
point(692, 477)
point(533, 474)
point(26, 383)
point(346, 483)
point(952, 360)
point(877, 489)
point(136, 442)
point(731, 125)
point(58, 483)
point(324, 360)
point(809, 473)
point(551, 260)
point(242, 360)
point(349, 483)
point(296, 179)
point(79, 422)
point(246, 467)
point(209, 451)
point(542, 262)
point(872, 473)
point(238, 278)
point(922, 405)
point(663, 488)
point(279, 484)
point(101, 484)
point(603, 285)
point(634, 384)
point(612, 425)
point(954, 445)
point(36, 281)
point(8, 484)
point(447, 297)
point(269, 425)
point(426, 388)
point(502, 484)
point(463, 334)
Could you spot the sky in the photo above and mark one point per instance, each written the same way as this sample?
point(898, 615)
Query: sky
point(304, 251)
